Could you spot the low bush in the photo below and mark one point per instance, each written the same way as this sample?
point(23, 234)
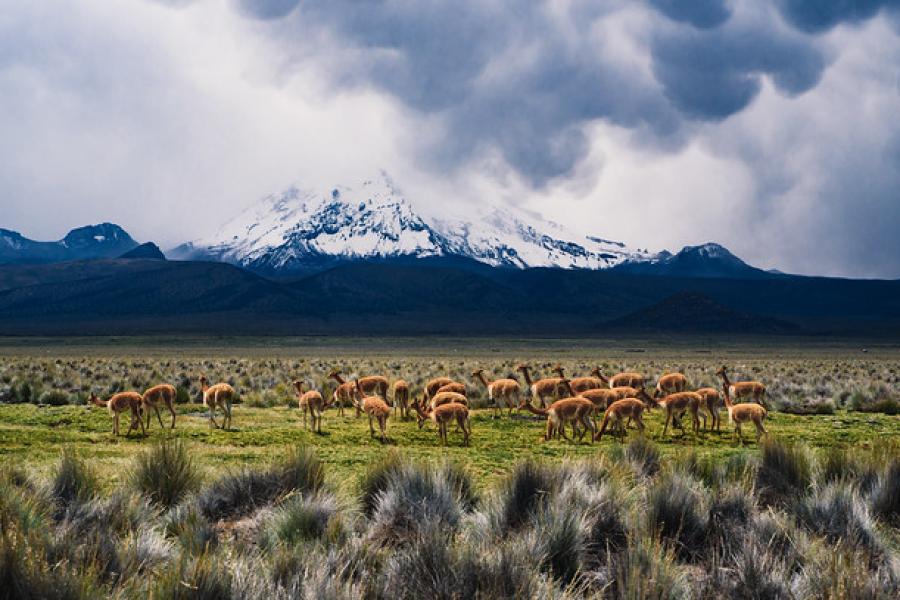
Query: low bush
point(165, 473)
point(54, 398)
point(783, 474)
point(240, 493)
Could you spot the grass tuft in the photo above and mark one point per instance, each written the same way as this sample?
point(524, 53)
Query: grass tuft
point(165, 473)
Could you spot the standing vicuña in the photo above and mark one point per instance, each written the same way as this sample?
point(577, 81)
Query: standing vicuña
point(744, 389)
point(376, 409)
point(670, 383)
point(499, 389)
point(159, 394)
point(679, 403)
point(401, 397)
point(119, 403)
point(370, 385)
point(744, 413)
point(573, 410)
point(582, 384)
point(311, 403)
point(442, 414)
point(221, 396)
point(551, 387)
point(626, 379)
point(620, 411)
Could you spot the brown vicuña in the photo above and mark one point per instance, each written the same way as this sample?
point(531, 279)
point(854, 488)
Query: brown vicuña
point(458, 388)
point(626, 379)
point(370, 385)
point(670, 383)
point(401, 397)
point(433, 385)
point(740, 390)
point(582, 384)
point(551, 387)
point(119, 403)
point(442, 415)
point(159, 394)
point(312, 404)
point(220, 395)
point(376, 409)
point(712, 400)
point(572, 410)
point(744, 413)
point(679, 403)
point(343, 394)
point(620, 411)
point(500, 389)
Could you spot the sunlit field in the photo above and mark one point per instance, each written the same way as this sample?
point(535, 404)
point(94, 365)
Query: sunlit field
point(206, 512)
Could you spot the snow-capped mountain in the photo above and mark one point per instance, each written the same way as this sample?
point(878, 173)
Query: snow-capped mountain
point(296, 228)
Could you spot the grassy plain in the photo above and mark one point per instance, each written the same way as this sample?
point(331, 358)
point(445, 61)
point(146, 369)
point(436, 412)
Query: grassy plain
point(807, 372)
point(244, 513)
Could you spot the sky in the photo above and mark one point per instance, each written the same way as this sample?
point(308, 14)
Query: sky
point(770, 126)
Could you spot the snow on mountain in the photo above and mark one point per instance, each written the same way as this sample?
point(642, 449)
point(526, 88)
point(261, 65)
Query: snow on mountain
point(374, 220)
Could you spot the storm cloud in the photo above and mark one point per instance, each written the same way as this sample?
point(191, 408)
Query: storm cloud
point(661, 123)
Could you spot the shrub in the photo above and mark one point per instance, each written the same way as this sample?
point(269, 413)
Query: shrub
point(241, 492)
point(674, 513)
point(54, 398)
point(523, 492)
point(74, 480)
point(165, 473)
point(783, 473)
point(182, 395)
point(643, 454)
point(413, 502)
point(302, 518)
point(375, 480)
point(194, 578)
point(838, 514)
point(647, 569)
point(194, 533)
point(886, 495)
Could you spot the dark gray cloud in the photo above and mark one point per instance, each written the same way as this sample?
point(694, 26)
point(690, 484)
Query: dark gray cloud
point(699, 13)
point(817, 16)
point(715, 74)
point(661, 122)
point(267, 9)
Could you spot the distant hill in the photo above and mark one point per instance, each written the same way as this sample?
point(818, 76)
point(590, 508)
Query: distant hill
point(105, 240)
point(123, 296)
point(708, 261)
point(690, 312)
point(147, 250)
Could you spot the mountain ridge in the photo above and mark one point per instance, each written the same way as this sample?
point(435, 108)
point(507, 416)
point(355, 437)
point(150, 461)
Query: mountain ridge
point(103, 240)
point(374, 220)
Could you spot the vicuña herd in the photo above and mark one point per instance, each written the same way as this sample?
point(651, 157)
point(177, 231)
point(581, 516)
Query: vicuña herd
point(579, 402)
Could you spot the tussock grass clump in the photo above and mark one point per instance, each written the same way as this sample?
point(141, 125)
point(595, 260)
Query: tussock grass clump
point(194, 533)
point(647, 569)
point(886, 494)
point(240, 493)
point(303, 518)
point(376, 478)
point(415, 500)
point(675, 513)
point(165, 473)
point(644, 455)
point(523, 492)
point(758, 573)
point(784, 472)
point(201, 577)
point(74, 481)
point(839, 514)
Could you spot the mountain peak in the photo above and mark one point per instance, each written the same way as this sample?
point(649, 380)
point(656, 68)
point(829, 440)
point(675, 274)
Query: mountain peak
point(374, 220)
point(105, 240)
point(102, 234)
